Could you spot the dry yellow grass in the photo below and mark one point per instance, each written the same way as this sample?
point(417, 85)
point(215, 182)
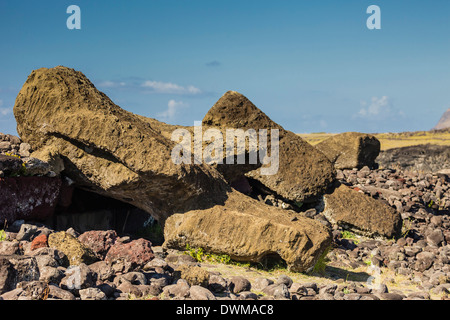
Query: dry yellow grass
point(393, 140)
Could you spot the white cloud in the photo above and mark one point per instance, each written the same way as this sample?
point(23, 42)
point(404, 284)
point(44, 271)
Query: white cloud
point(112, 84)
point(149, 86)
point(172, 108)
point(378, 108)
point(168, 87)
point(4, 111)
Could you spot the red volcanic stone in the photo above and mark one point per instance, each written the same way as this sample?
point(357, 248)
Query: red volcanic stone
point(28, 198)
point(138, 252)
point(39, 242)
point(99, 241)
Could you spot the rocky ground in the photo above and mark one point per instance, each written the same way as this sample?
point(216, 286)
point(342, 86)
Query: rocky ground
point(314, 230)
point(101, 265)
point(423, 158)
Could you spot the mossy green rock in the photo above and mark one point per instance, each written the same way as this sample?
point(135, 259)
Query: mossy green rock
point(75, 251)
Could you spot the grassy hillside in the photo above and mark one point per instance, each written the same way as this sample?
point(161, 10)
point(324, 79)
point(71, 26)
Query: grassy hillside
point(394, 140)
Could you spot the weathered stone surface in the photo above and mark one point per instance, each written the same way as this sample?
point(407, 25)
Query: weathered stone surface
point(26, 232)
point(278, 291)
point(137, 252)
point(421, 158)
point(12, 295)
point(103, 270)
point(217, 283)
point(6, 275)
point(351, 150)
point(29, 198)
point(39, 242)
point(15, 269)
point(179, 290)
point(201, 293)
point(360, 213)
point(9, 247)
point(194, 275)
point(248, 230)
point(24, 150)
point(9, 164)
point(239, 284)
point(92, 294)
point(75, 251)
point(261, 283)
point(60, 294)
point(107, 149)
point(52, 256)
point(36, 167)
point(98, 241)
point(304, 172)
point(33, 290)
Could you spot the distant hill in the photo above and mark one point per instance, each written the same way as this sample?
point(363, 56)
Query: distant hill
point(444, 122)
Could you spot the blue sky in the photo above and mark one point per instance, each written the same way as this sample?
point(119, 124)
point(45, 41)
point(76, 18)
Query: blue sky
point(312, 66)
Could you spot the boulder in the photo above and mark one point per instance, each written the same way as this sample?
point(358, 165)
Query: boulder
point(33, 290)
point(28, 198)
point(103, 270)
point(239, 284)
point(75, 251)
point(350, 150)
point(194, 275)
point(303, 172)
point(106, 149)
point(137, 252)
point(6, 275)
point(98, 241)
point(179, 290)
point(60, 294)
point(78, 277)
point(92, 294)
point(115, 153)
point(10, 165)
point(360, 213)
point(9, 247)
point(201, 293)
point(15, 269)
point(278, 290)
point(248, 230)
point(39, 242)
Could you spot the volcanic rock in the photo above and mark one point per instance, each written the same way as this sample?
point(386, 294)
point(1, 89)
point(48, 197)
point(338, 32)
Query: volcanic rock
point(137, 252)
point(360, 213)
point(31, 198)
point(422, 158)
point(98, 241)
point(15, 269)
point(10, 164)
point(112, 152)
point(106, 149)
point(351, 150)
point(75, 251)
point(249, 235)
point(303, 172)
